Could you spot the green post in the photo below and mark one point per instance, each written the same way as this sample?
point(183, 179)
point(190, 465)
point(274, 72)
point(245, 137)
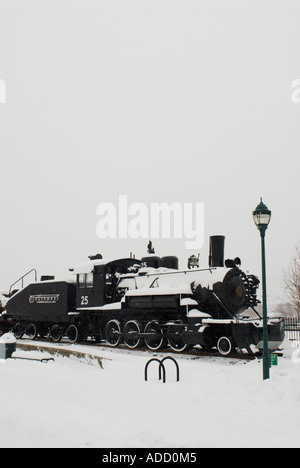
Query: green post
point(266, 357)
point(262, 216)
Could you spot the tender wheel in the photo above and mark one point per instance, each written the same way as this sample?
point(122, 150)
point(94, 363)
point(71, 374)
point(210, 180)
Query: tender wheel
point(73, 333)
point(225, 346)
point(56, 333)
point(31, 331)
point(18, 330)
point(176, 342)
point(155, 342)
point(131, 328)
point(113, 332)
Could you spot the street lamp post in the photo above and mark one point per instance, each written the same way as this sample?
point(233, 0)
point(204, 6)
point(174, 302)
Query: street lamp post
point(262, 216)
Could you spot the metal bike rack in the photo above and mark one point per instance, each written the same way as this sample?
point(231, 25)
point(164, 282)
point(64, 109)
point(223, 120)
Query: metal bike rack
point(161, 368)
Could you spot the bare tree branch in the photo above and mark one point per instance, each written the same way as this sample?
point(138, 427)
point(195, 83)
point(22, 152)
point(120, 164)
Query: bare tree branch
point(291, 283)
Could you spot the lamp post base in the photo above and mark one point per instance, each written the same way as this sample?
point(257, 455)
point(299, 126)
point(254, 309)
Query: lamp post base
point(266, 365)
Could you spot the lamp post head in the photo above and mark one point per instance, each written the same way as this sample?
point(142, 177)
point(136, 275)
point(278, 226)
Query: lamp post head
point(261, 216)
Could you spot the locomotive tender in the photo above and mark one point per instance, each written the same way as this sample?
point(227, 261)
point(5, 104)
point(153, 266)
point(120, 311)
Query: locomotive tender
point(148, 301)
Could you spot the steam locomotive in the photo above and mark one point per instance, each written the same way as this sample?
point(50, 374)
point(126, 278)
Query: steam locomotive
point(147, 302)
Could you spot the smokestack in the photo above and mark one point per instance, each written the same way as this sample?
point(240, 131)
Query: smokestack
point(216, 251)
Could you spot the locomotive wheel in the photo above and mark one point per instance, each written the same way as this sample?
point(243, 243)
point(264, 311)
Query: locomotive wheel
point(113, 332)
point(18, 330)
point(131, 328)
point(154, 343)
point(31, 331)
point(225, 346)
point(72, 333)
point(56, 333)
point(176, 342)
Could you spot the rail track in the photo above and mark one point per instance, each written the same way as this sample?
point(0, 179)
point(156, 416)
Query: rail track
point(195, 353)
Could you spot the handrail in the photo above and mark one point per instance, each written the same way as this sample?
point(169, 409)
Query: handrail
point(22, 279)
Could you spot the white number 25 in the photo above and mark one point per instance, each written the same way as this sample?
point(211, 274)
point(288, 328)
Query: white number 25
point(84, 300)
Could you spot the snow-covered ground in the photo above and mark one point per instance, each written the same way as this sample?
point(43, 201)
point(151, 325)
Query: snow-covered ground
point(217, 403)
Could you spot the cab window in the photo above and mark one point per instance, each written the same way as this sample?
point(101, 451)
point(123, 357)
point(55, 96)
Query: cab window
point(85, 280)
point(89, 280)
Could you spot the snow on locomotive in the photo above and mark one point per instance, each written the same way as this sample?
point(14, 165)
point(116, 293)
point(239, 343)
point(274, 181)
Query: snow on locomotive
point(148, 301)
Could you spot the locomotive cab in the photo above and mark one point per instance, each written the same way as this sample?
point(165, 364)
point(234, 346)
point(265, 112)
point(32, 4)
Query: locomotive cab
point(89, 288)
point(97, 281)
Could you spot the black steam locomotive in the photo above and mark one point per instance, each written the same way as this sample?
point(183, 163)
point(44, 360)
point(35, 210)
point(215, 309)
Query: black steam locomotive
point(148, 301)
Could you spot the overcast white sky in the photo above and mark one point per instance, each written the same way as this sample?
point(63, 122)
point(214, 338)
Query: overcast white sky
point(162, 100)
